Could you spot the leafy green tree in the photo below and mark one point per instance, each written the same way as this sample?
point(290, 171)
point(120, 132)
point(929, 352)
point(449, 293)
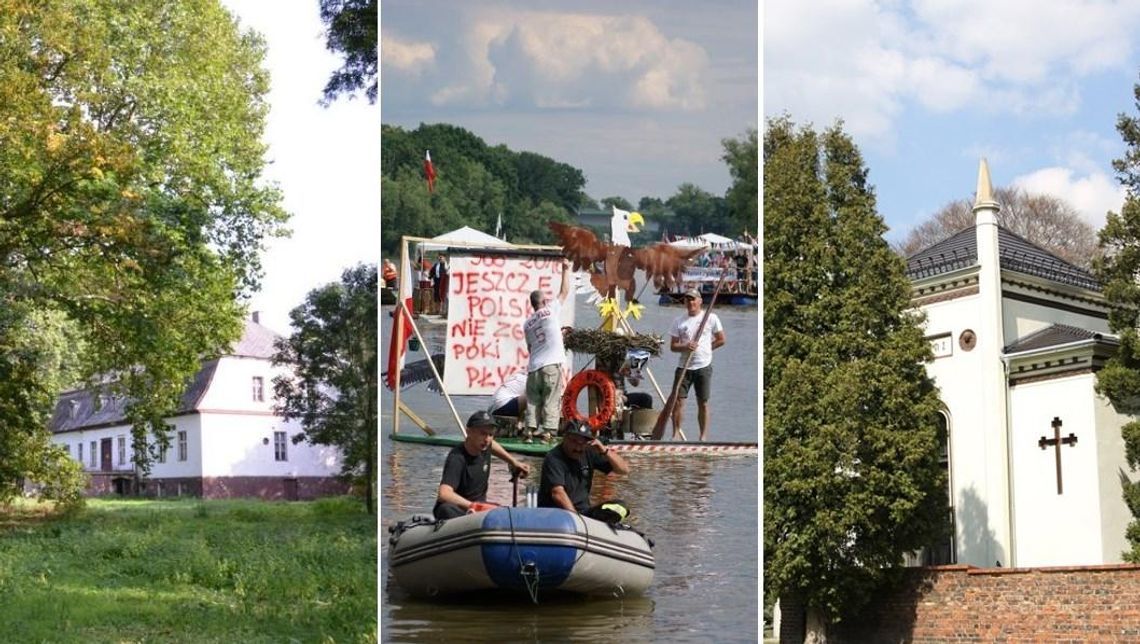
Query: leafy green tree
point(851, 473)
point(619, 202)
point(332, 390)
point(475, 183)
point(531, 228)
point(697, 211)
point(741, 156)
point(1116, 269)
point(36, 361)
point(351, 30)
point(131, 196)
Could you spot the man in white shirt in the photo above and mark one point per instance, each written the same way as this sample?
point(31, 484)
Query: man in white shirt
point(544, 382)
point(698, 371)
point(510, 398)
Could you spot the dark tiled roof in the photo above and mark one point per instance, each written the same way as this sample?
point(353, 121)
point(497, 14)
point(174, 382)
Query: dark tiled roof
point(84, 408)
point(1015, 254)
point(80, 409)
point(1051, 336)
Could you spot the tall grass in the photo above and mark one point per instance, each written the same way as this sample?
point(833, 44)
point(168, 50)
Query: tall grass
point(189, 571)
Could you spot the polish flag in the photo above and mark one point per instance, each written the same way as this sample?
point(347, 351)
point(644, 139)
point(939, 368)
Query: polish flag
point(396, 349)
point(429, 170)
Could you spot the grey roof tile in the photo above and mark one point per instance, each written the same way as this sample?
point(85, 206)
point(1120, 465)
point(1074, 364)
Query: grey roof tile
point(1014, 253)
point(1051, 336)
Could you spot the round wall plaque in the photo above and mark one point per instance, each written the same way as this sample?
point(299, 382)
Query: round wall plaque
point(967, 340)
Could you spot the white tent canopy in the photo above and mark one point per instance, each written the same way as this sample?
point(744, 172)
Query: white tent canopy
point(465, 236)
point(711, 240)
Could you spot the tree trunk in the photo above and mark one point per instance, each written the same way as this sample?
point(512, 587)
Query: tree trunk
point(815, 627)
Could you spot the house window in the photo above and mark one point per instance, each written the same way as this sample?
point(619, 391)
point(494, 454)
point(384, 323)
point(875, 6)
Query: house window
point(944, 552)
point(162, 452)
point(79, 452)
point(181, 448)
point(94, 454)
point(280, 452)
point(258, 389)
point(122, 450)
point(67, 449)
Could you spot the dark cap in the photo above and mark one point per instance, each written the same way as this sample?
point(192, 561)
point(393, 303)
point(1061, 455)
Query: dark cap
point(573, 428)
point(480, 419)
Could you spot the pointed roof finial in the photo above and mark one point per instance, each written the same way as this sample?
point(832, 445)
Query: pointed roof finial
point(985, 195)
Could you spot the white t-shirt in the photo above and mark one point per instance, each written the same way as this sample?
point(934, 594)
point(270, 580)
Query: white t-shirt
point(512, 388)
point(543, 330)
point(685, 327)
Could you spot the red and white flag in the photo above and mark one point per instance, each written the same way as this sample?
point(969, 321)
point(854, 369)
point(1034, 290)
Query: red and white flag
point(396, 349)
point(429, 170)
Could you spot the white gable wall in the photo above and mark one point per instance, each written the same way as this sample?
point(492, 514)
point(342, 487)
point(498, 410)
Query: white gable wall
point(240, 431)
point(1054, 529)
point(978, 539)
point(243, 445)
point(1111, 464)
point(1022, 318)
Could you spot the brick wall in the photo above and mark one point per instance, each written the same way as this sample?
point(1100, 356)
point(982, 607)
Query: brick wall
point(964, 604)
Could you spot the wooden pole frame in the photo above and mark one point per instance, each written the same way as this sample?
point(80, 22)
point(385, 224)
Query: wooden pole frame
point(397, 405)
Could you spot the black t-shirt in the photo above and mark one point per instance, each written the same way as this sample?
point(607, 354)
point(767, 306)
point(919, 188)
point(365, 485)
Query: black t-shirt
point(467, 474)
point(575, 476)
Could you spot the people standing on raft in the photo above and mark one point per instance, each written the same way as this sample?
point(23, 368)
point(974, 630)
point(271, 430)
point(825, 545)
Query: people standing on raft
point(467, 470)
point(698, 370)
point(547, 350)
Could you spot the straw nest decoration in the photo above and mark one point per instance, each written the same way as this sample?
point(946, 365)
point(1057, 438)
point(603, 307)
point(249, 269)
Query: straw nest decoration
point(610, 347)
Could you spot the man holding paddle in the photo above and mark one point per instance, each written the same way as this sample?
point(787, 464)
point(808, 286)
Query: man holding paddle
point(467, 470)
point(695, 368)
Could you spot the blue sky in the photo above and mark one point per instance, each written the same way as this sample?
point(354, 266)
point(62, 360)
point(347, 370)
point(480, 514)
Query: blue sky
point(928, 87)
point(637, 94)
point(326, 161)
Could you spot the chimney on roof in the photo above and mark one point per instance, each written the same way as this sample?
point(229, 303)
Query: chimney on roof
point(256, 316)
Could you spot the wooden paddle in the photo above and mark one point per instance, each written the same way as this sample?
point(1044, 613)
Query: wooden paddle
point(515, 479)
point(671, 403)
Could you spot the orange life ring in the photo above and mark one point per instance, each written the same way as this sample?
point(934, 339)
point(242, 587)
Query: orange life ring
point(607, 394)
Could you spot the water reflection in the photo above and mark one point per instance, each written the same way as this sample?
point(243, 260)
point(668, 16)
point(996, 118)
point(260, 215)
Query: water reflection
point(494, 617)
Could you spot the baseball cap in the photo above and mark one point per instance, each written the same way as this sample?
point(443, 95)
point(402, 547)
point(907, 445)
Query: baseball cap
point(577, 429)
point(480, 419)
point(693, 293)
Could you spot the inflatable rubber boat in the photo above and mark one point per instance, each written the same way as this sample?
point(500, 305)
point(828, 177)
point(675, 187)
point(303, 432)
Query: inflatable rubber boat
point(526, 549)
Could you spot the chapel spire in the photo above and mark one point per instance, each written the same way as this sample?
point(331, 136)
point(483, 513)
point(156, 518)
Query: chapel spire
point(985, 193)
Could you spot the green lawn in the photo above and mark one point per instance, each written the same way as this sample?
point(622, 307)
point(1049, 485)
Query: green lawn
point(189, 571)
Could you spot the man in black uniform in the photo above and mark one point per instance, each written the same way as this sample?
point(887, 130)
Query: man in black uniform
point(468, 468)
point(568, 473)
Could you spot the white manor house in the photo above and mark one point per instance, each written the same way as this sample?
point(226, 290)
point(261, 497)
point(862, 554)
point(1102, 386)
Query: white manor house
point(225, 440)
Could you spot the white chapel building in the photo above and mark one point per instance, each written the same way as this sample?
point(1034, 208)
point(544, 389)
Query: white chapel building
point(225, 440)
point(1034, 456)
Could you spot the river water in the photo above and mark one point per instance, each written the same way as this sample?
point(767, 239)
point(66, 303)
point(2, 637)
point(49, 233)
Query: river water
point(701, 511)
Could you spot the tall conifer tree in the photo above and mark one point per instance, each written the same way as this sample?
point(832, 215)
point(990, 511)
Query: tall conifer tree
point(852, 479)
point(1118, 270)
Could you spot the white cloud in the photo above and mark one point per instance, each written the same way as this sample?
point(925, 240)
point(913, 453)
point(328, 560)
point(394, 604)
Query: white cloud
point(865, 61)
point(1092, 194)
point(537, 59)
point(404, 56)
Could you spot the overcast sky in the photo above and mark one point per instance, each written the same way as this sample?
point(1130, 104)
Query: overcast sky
point(637, 94)
point(325, 160)
point(928, 87)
